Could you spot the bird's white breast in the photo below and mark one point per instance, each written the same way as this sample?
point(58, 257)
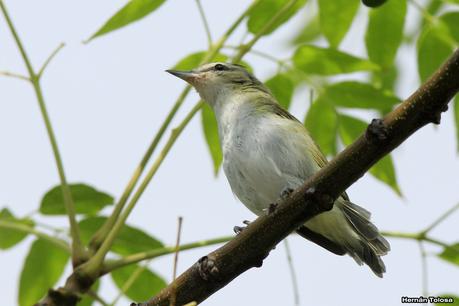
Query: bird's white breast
point(262, 154)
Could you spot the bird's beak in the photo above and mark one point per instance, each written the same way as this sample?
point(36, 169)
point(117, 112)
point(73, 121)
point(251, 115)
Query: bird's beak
point(188, 76)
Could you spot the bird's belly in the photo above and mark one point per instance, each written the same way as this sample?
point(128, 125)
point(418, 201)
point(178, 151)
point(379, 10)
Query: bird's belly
point(255, 179)
point(256, 195)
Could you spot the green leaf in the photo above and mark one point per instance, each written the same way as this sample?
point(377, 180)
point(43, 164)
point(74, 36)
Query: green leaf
point(451, 254)
point(145, 285)
point(43, 267)
point(385, 78)
point(451, 20)
point(321, 122)
point(129, 240)
point(360, 95)
point(131, 12)
point(265, 10)
point(87, 200)
point(336, 18)
point(316, 60)
point(384, 171)
point(456, 118)
point(448, 296)
point(87, 300)
point(350, 129)
point(433, 47)
point(281, 87)
point(210, 128)
point(193, 60)
point(11, 237)
point(309, 32)
point(385, 32)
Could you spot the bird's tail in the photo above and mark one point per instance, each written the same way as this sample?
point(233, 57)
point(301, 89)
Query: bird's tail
point(370, 245)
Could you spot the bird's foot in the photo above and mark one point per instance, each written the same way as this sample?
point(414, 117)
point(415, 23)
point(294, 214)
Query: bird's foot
point(271, 208)
point(286, 192)
point(239, 229)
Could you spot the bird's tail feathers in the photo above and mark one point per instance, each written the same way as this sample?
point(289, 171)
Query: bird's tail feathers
point(371, 245)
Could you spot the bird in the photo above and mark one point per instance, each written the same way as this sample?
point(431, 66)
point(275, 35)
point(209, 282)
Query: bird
point(267, 153)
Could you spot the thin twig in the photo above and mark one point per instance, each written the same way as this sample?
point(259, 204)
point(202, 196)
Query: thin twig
point(129, 282)
point(49, 59)
point(204, 21)
point(441, 218)
point(177, 249)
point(432, 20)
point(94, 264)
point(138, 257)
point(311, 96)
point(14, 75)
point(4, 224)
point(425, 14)
point(260, 54)
point(78, 251)
point(296, 292)
point(96, 297)
point(419, 237)
point(424, 271)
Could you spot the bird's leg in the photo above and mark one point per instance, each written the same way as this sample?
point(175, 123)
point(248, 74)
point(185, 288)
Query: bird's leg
point(239, 229)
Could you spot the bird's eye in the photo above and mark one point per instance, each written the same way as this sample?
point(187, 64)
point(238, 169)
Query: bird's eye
point(220, 67)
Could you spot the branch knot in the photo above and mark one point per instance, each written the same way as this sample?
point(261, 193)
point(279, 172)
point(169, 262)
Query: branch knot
point(207, 268)
point(376, 130)
point(324, 200)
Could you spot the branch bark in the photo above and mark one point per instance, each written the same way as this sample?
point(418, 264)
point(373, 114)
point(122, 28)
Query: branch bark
point(252, 246)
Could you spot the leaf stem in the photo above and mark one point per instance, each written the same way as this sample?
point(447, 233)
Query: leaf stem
point(423, 268)
point(30, 230)
point(102, 233)
point(135, 258)
point(296, 292)
point(416, 236)
point(176, 254)
point(266, 27)
point(95, 262)
point(425, 14)
point(78, 251)
point(204, 21)
point(129, 282)
point(96, 297)
point(14, 75)
point(49, 59)
point(441, 219)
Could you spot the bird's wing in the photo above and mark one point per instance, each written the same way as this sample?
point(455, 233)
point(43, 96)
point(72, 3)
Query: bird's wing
point(306, 143)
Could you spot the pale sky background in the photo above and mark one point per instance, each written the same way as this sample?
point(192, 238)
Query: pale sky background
point(108, 98)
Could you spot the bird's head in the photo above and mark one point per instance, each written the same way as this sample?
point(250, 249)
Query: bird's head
point(214, 79)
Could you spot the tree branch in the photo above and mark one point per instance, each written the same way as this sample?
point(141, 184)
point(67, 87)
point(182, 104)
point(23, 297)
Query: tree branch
point(252, 246)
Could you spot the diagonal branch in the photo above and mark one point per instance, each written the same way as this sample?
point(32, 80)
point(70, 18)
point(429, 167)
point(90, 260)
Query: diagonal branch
point(252, 246)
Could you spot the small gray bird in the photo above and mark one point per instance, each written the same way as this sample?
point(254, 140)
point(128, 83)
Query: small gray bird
point(267, 151)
